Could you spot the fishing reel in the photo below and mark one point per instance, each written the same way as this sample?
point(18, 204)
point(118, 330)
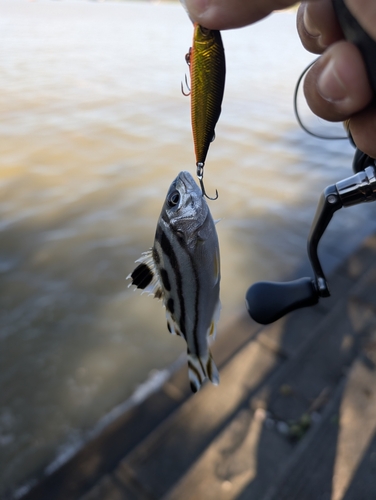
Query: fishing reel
point(268, 301)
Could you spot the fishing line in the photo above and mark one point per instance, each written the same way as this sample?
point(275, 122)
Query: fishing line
point(310, 132)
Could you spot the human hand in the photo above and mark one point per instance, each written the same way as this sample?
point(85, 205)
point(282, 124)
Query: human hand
point(337, 86)
point(228, 14)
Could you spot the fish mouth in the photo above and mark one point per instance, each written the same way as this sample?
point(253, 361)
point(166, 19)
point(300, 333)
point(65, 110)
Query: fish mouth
point(187, 180)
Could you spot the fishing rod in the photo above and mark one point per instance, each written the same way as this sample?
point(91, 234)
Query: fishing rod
point(269, 301)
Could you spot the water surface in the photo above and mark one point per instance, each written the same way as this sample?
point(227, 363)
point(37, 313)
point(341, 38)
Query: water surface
point(93, 130)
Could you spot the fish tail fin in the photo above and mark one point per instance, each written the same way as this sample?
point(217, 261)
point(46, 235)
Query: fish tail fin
point(198, 371)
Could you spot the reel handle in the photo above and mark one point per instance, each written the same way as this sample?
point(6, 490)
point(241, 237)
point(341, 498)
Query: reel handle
point(268, 301)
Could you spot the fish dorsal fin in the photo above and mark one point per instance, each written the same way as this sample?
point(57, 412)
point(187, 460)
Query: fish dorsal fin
point(212, 371)
point(145, 276)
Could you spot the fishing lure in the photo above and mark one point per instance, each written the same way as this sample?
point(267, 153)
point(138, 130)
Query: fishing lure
point(207, 66)
point(183, 269)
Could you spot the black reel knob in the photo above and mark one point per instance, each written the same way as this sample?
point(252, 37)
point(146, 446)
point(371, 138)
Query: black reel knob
point(268, 301)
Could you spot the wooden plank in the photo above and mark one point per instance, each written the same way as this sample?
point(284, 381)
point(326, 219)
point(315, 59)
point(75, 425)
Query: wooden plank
point(245, 453)
point(338, 459)
point(160, 461)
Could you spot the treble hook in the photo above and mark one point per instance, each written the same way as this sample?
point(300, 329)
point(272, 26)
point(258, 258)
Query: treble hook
point(200, 176)
point(188, 61)
point(187, 85)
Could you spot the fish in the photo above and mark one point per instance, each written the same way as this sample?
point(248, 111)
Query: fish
point(207, 67)
point(183, 269)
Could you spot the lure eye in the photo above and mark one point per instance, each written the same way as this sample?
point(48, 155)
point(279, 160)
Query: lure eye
point(173, 199)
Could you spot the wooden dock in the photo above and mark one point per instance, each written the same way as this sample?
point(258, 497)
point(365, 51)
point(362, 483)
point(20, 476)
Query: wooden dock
point(294, 417)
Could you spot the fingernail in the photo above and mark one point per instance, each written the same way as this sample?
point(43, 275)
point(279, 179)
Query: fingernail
point(196, 7)
point(330, 85)
point(309, 27)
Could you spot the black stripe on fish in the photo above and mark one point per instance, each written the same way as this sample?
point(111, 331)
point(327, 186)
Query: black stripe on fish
point(142, 276)
point(170, 306)
point(192, 367)
point(197, 382)
point(209, 370)
point(165, 279)
point(197, 297)
point(168, 250)
point(194, 388)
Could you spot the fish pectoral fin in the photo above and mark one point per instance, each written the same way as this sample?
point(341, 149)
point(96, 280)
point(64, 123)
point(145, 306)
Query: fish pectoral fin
point(201, 236)
point(145, 276)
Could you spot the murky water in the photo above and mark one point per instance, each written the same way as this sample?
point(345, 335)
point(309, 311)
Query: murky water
point(93, 129)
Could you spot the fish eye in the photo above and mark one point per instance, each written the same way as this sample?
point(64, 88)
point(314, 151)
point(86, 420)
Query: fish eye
point(173, 199)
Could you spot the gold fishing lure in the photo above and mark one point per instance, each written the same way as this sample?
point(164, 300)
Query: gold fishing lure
point(206, 60)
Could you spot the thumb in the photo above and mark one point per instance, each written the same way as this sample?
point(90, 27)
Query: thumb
point(337, 86)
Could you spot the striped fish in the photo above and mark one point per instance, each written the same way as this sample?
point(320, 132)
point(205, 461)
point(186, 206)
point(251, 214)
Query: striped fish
point(183, 269)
